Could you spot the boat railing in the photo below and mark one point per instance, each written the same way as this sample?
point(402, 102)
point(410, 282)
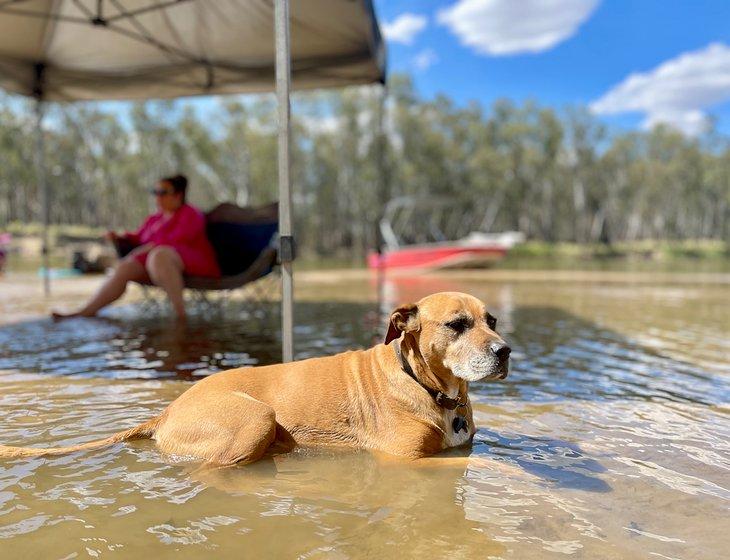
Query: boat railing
point(411, 220)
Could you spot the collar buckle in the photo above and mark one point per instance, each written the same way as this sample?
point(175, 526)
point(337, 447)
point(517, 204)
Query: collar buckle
point(447, 402)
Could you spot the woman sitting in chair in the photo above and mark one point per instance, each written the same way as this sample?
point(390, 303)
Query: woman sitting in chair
point(170, 243)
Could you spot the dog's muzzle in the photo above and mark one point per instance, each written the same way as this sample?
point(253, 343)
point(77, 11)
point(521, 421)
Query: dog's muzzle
point(490, 364)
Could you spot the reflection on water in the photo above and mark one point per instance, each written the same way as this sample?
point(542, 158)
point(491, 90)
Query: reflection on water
point(610, 438)
point(126, 345)
point(561, 463)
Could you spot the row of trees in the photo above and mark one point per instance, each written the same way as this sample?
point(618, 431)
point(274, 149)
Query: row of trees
point(556, 176)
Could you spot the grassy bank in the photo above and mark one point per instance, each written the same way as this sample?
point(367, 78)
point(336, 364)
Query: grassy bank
point(57, 232)
point(701, 254)
point(665, 256)
point(647, 255)
point(658, 250)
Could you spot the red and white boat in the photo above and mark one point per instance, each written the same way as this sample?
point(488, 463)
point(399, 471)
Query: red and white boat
point(429, 222)
point(478, 250)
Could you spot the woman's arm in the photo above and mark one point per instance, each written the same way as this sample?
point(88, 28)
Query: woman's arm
point(131, 236)
point(136, 236)
point(140, 250)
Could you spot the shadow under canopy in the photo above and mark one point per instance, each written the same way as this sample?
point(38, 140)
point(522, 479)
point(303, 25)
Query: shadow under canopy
point(71, 50)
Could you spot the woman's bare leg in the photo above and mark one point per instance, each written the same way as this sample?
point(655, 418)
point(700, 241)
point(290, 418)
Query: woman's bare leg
point(113, 288)
point(165, 268)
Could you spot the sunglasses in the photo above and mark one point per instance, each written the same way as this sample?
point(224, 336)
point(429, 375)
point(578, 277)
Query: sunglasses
point(161, 192)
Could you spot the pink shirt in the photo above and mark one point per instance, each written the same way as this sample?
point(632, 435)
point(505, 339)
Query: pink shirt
point(184, 231)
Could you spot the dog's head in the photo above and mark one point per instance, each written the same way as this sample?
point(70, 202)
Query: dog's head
point(454, 334)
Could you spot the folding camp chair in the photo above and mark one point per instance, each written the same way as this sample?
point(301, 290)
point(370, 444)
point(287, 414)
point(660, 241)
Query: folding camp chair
point(245, 243)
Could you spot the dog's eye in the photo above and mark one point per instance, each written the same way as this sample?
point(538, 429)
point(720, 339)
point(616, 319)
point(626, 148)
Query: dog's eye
point(458, 325)
point(491, 322)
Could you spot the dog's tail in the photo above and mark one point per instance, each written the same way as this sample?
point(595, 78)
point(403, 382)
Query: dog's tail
point(143, 431)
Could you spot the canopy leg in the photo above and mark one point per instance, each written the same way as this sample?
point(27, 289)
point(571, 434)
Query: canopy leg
point(383, 197)
point(40, 162)
point(286, 246)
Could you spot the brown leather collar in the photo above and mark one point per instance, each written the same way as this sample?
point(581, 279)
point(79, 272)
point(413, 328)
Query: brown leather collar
point(442, 399)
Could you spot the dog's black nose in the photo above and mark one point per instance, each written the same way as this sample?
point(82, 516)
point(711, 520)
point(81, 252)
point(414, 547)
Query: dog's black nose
point(501, 350)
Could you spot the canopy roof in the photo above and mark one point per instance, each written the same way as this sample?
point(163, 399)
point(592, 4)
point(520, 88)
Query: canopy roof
point(65, 50)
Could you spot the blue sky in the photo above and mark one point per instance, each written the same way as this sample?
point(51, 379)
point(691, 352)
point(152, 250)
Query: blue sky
point(564, 52)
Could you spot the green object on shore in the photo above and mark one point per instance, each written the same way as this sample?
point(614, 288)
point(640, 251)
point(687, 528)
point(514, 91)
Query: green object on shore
point(59, 272)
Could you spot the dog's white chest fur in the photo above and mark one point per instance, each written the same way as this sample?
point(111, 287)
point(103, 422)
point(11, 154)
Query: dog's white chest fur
point(453, 439)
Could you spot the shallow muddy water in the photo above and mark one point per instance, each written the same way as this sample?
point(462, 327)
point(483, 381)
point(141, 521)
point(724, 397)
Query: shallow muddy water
point(609, 439)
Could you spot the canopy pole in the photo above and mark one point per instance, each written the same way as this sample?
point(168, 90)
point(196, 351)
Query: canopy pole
point(286, 240)
point(383, 197)
point(40, 162)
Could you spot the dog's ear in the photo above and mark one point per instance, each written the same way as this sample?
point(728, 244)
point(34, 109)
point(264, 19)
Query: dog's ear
point(403, 319)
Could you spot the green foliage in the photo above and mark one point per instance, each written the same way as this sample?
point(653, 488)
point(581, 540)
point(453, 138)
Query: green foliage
point(644, 249)
point(559, 177)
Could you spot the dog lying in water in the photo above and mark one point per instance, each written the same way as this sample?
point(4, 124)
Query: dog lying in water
point(407, 397)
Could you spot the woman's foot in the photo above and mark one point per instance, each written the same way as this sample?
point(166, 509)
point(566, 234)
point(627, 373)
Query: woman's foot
point(58, 316)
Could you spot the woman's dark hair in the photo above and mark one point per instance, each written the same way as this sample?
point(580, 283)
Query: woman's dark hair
point(179, 184)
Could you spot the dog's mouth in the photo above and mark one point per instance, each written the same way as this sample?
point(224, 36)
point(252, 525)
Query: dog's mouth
point(481, 369)
point(502, 371)
point(496, 369)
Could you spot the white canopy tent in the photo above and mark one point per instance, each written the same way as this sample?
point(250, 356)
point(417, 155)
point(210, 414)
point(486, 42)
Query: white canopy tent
point(71, 50)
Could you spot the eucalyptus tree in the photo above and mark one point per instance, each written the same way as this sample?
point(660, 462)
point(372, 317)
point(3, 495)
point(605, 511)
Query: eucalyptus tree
point(554, 175)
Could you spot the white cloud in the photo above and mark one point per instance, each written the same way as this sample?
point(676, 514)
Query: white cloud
point(505, 27)
point(425, 59)
point(677, 92)
point(404, 28)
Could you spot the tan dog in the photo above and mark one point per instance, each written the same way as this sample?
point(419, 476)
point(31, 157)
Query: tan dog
point(408, 399)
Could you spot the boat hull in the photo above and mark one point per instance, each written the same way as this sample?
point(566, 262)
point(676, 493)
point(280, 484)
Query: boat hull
point(438, 257)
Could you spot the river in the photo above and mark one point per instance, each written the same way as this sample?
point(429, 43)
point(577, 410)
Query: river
point(609, 439)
